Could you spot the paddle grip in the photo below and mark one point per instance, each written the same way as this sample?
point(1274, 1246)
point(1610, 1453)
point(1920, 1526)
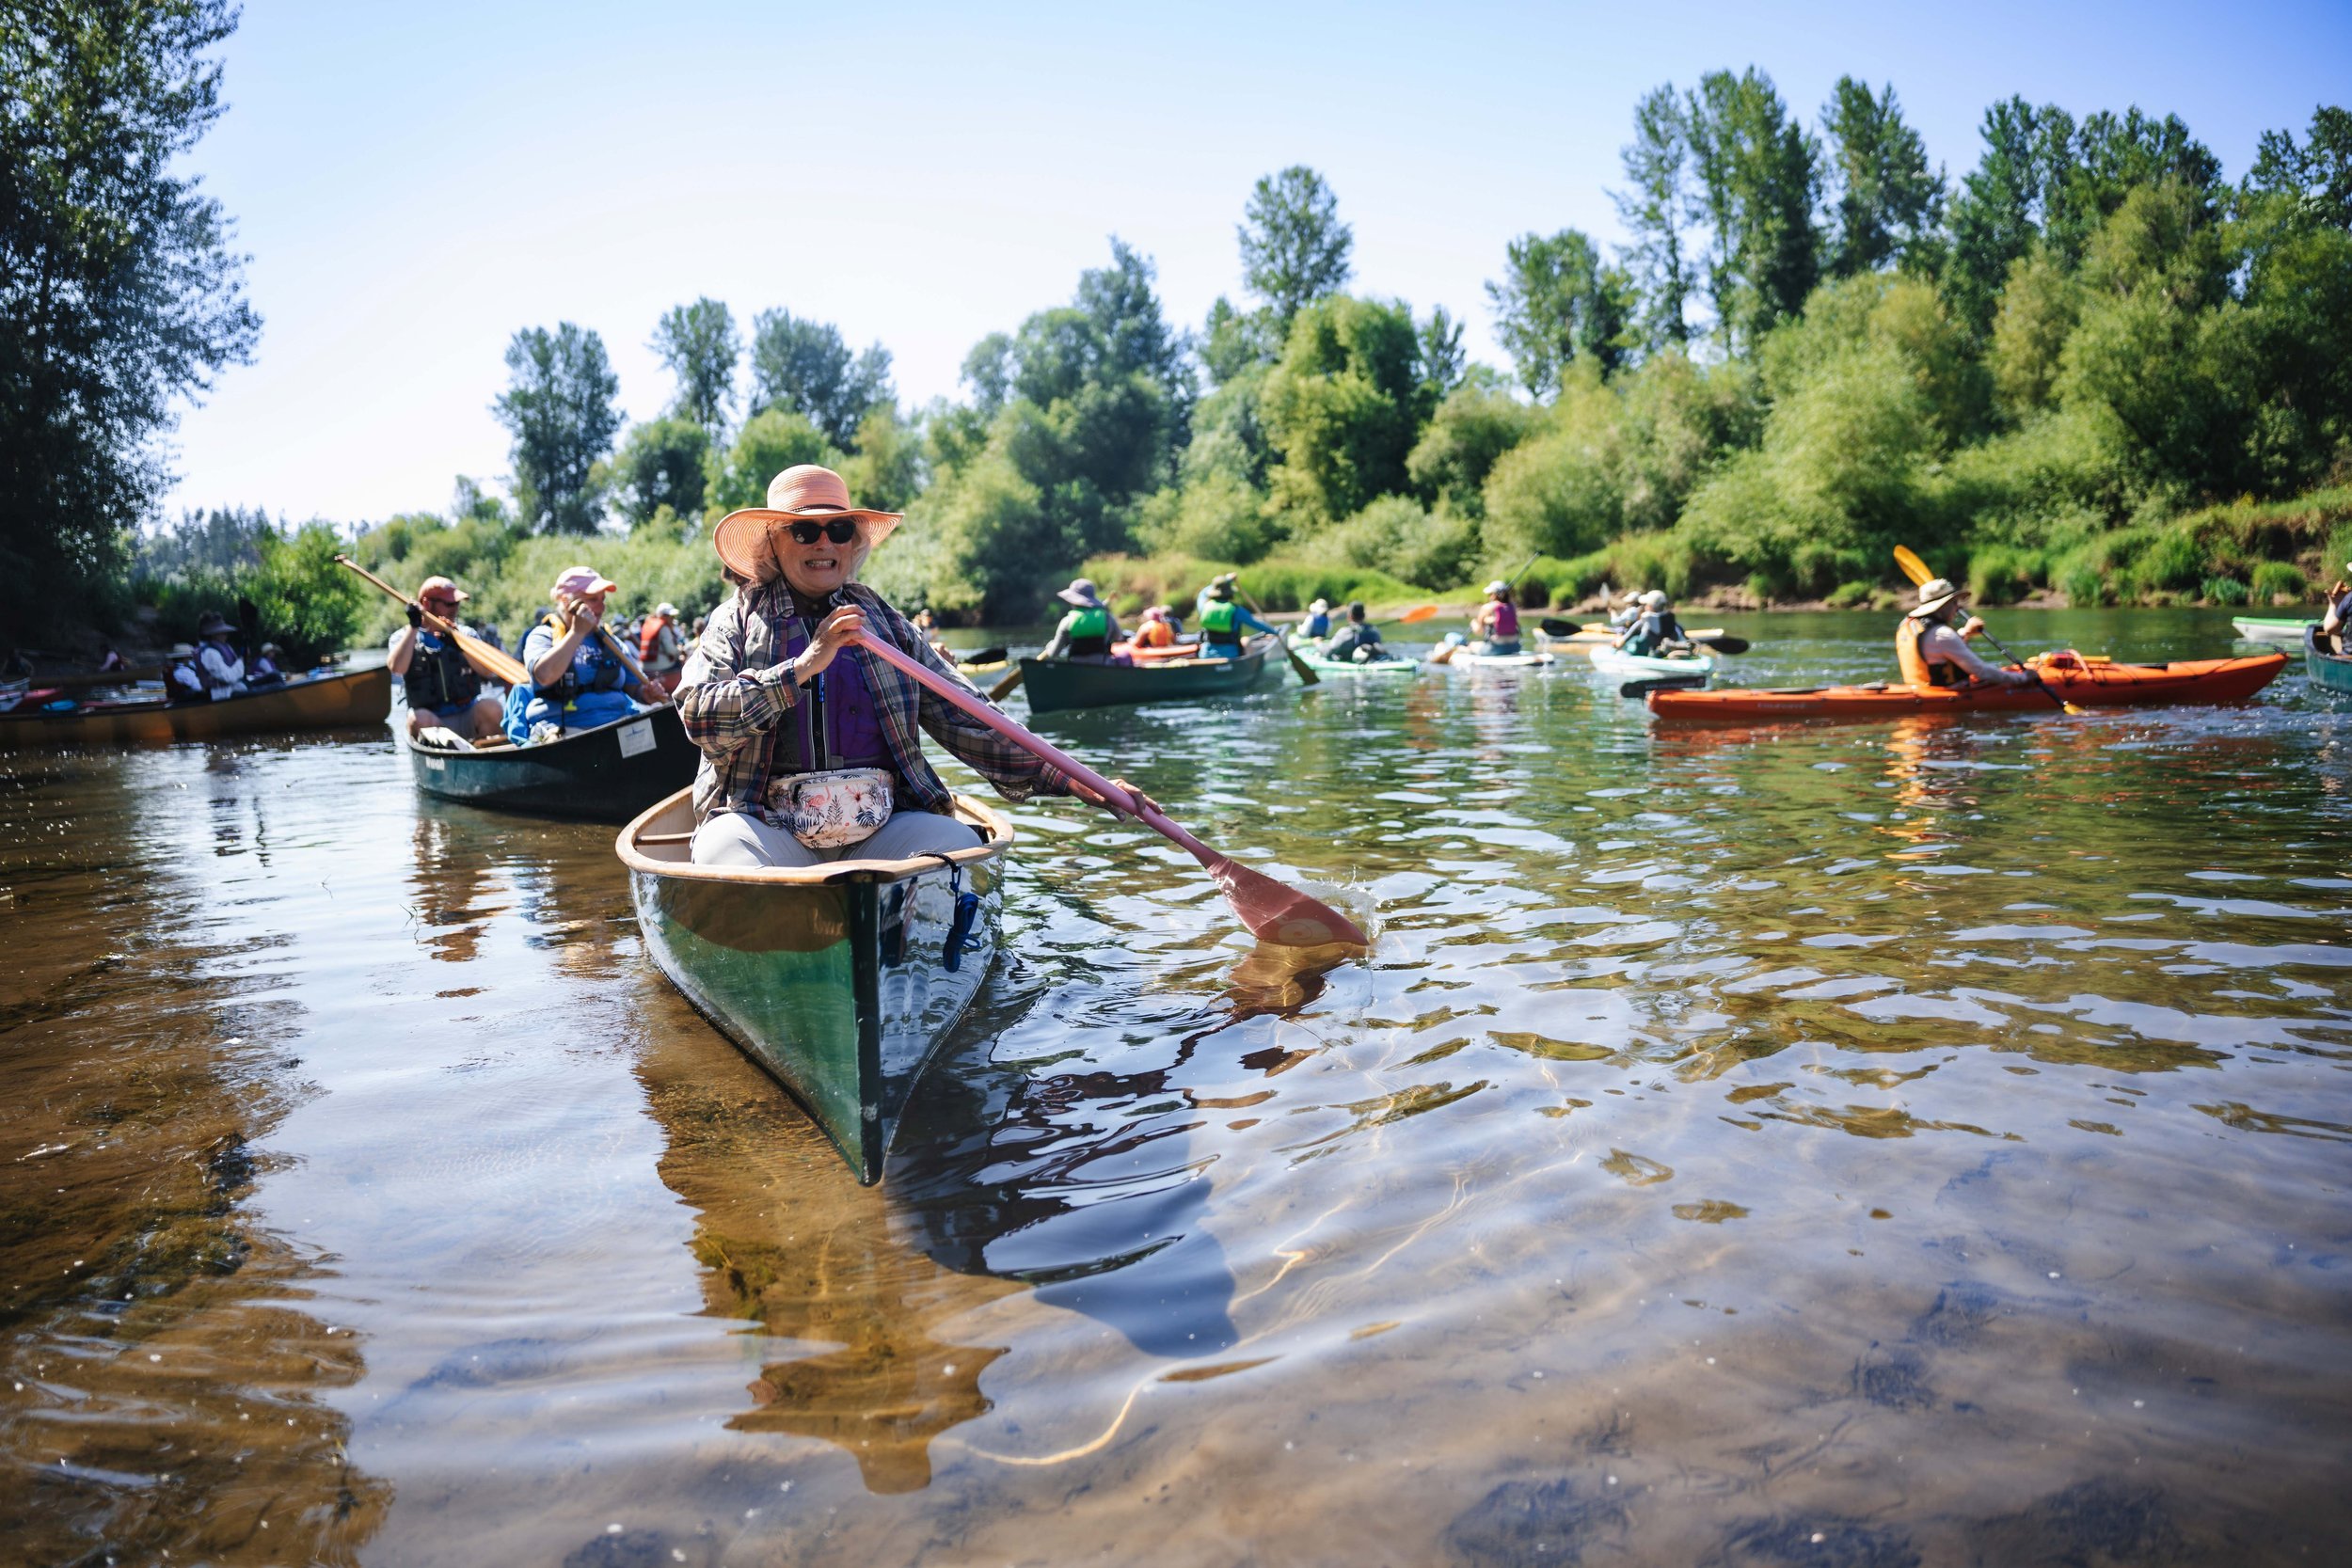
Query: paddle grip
point(971, 703)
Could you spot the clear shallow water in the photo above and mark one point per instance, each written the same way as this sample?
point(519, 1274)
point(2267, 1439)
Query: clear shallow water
point(1855, 1144)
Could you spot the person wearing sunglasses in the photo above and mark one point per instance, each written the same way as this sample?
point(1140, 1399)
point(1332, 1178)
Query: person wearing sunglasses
point(579, 678)
point(444, 692)
point(812, 751)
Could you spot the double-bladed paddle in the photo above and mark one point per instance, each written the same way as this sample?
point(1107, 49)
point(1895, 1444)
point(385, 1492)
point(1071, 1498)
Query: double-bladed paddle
point(1916, 570)
point(1723, 642)
point(500, 667)
point(982, 656)
point(1307, 675)
point(1272, 911)
point(1662, 683)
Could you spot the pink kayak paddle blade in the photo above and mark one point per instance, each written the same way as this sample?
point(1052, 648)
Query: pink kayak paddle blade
point(1283, 914)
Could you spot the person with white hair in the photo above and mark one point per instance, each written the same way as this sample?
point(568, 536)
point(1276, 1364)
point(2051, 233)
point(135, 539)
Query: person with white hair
point(1934, 651)
point(1657, 631)
point(1497, 621)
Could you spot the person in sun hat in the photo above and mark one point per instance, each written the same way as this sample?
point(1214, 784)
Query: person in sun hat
point(1497, 621)
point(1658, 630)
point(581, 676)
point(1317, 621)
point(1087, 631)
point(1224, 619)
point(812, 750)
point(1933, 651)
point(443, 692)
point(1228, 582)
point(183, 681)
point(217, 657)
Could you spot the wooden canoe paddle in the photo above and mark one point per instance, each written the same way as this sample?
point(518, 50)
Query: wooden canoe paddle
point(502, 668)
point(1272, 911)
point(1306, 673)
point(1916, 570)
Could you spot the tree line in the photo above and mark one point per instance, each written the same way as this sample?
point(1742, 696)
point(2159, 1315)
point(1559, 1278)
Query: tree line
point(2091, 364)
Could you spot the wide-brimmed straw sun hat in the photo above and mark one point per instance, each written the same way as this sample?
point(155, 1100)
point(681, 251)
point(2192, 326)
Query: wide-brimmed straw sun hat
point(802, 493)
point(1935, 595)
point(182, 650)
point(583, 579)
point(1081, 593)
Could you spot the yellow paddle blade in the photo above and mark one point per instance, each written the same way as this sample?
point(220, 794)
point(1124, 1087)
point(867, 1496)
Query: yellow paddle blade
point(1914, 568)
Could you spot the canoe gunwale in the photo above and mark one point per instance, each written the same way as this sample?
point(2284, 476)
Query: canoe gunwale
point(997, 830)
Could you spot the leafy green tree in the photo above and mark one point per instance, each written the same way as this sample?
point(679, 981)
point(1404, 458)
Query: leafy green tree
point(1464, 439)
point(1655, 209)
point(1342, 408)
point(1889, 202)
point(2037, 313)
point(2316, 175)
point(769, 442)
point(1557, 301)
point(1760, 172)
point(2115, 155)
point(1443, 360)
point(662, 463)
point(886, 471)
point(120, 294)
point(557, 407)
point(1998, 214)
point(700, 345)
point(805, 366)
point(2296, 230)
point(1294, 249)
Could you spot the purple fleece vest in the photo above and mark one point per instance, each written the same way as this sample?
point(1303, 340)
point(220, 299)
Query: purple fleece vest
point(848, 713)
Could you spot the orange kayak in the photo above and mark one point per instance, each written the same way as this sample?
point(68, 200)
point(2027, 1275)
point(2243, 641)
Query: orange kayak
point(2084, 682)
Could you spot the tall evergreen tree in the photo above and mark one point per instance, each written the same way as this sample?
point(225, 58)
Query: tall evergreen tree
point(119, 293)
point(1556, 301)
point(1293, 247)
point(1657, 207)
point(1888, 201)
point(1759, 171)
point(559, 409)
point(699, 344)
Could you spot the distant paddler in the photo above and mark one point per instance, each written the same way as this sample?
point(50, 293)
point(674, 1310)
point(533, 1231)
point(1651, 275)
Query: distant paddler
point(812, 748)
point(443, 689)
point(217, 657)
point(2336, 625)
point(1932, 650)
point(580, 675)
point(1085, 635)
point(661, 646)
point(1317, 621)
point(1496, 622)
point(1157, 628)
point(1357, 641)
point(1657, 632)
point(1224, 619)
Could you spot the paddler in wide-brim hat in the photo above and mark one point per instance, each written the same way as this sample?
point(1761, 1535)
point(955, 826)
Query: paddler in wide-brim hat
point(1932, 650)
point(1087, 631)
point(812, 751)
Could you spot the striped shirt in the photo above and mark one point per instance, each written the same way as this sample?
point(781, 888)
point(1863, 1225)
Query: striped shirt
point(736, 688)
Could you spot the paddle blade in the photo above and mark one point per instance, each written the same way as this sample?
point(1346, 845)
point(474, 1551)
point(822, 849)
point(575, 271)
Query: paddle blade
point(1662, 683)
point(1914, 568)
point(1418, 613)
point(1277, 914)
point(1725, 645)
point(986, 656)
point(1554, 626)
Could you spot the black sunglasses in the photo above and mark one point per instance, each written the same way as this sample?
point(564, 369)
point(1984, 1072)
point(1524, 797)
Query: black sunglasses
point(840, 530)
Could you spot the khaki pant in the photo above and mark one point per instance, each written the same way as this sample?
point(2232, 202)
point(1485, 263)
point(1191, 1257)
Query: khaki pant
point(739, 839)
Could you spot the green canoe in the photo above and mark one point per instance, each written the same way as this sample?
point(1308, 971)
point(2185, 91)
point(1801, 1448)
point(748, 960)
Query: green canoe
point(2329, 672)
point(1057, 684)
point(606, 774)
point(840, 979)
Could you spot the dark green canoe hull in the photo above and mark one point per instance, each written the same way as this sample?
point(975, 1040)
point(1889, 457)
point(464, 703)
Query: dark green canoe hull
point(2329, 672)
point(842, 990)
point(607, 774)
point(1056, 685)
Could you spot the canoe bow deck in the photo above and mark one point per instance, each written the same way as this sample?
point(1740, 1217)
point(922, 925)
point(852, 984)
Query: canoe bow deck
point(606, 774)
point(836, 980)
point(354, 699)
point(2091, 684)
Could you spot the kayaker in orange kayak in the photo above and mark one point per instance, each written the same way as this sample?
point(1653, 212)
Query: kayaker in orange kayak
point(1933, 651)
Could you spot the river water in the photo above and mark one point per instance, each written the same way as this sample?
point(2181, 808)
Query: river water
point(1858, 1144)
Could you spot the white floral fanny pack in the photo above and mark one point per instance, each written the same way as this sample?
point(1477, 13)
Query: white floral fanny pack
point(825, 811)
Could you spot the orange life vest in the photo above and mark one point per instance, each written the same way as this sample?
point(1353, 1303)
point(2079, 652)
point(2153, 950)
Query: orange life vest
point(649, 635)
point(1156, 634)
point(1916, 668)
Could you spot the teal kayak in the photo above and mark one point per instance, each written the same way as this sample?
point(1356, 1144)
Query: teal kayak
point(1612, 661)
point(1312, 656)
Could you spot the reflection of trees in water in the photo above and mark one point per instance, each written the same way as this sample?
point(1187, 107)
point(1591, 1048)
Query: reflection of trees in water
point(161, 1380)
point(448, 883)
point(1003, 1177)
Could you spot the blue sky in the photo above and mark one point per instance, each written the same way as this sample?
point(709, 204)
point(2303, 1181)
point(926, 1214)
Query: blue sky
point(415, 182)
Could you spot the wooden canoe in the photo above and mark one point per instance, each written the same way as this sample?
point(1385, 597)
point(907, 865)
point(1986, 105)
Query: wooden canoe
point(837, 978)
point(331, 702)
point(1058, 684)
point(606, 774)
point(2329, 672)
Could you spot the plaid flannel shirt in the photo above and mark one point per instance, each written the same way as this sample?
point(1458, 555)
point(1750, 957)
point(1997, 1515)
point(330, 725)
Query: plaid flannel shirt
point(735, 689)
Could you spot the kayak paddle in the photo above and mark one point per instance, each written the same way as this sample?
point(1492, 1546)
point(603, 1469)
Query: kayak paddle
point(1724, 645)
point(1916, 570)
point(1307, 675)
point(1272, 911)
point(983, 656)
point(1662, 683)
point(502, 668)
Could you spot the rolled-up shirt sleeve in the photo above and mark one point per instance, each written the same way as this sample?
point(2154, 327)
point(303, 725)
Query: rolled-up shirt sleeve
point(1015, 773)
point(724, 707)
point(1945, 644)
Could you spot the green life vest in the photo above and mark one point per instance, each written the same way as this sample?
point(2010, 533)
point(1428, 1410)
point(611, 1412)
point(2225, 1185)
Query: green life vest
point(1090, 622)
point(1216, 620)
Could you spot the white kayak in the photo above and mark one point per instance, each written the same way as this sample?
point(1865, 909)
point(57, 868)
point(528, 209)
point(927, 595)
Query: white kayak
point(1614, 661)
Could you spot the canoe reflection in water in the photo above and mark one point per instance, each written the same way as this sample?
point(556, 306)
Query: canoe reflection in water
point(1006, 1179)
